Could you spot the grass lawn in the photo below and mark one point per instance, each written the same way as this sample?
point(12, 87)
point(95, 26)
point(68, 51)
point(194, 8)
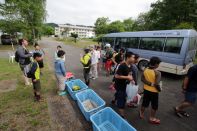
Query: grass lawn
point(18, 111)
point(80, 43)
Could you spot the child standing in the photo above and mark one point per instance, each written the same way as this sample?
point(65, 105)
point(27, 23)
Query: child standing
point(60, 72)
point(86, 62)
point(94, 63)
point(35, 72)
point(151, 79)
point(41, 51)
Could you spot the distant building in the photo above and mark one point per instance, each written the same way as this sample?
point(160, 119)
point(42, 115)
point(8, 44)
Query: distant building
point(81, 30)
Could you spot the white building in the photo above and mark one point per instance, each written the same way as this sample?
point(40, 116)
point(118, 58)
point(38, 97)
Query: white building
point(81, 30)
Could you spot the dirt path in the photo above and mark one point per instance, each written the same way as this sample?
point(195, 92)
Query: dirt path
point(64, 112)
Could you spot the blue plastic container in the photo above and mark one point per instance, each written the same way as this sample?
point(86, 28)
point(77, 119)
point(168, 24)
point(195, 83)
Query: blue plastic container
point(108, 120)
point(76, 82)
point(89, 95)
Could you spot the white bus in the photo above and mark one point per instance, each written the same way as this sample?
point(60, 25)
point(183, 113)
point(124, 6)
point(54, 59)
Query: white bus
point(176, 48)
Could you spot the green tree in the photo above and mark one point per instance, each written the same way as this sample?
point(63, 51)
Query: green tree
point(74, 35)
point(128, 24)
point(143, 22)
point(47, 30)
point(168, 14)
point(185, 25)
point(116, 26)
point(101, 25)
point(28, 15)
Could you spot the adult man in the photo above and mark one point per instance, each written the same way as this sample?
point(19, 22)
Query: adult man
point(190, 91)
point(24, 58)
point(122, 78)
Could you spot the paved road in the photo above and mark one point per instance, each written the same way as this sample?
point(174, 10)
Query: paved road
point(170, 96)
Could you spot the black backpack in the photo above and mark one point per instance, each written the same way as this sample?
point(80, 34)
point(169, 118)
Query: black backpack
point(16, 57)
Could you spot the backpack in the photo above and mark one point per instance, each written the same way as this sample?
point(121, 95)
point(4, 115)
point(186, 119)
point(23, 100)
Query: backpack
point(16, 57)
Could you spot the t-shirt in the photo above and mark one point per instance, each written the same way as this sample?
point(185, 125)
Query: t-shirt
point(150, 76)
point(94, 57)
point(119, 58)
point(192, 75)
point(134, 71)
point(98, 54)
point(123, 70)
point(109, 54)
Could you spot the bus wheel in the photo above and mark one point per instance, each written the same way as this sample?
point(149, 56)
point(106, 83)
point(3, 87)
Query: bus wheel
point(142, 65)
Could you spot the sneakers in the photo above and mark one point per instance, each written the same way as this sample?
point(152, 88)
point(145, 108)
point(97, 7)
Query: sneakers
point(62, 93)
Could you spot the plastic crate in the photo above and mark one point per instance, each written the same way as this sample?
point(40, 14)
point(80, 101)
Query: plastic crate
point(91, 95)
point(76, 82)
point(108, 120)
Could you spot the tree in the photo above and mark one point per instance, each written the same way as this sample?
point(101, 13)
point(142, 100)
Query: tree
point(47, 30)
point(116, 26)
point(185, 25)
point(74, 35)
point(101, 25)
point(28, 16)
point(143, 22)
point(167, 14)
point(128, 24)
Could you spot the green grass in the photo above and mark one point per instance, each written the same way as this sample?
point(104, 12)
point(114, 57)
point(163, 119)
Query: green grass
point(80, 43)
point(196, 60)
point(8, 70)
point(18, 111)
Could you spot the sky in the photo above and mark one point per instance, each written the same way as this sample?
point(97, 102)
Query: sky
point(85, 12)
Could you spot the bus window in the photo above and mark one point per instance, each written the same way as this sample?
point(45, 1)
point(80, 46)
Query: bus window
point(123, 43)
point(154, 44)
point(133, 42)
point(109, 40)
point(173, 45)
point(192, 43)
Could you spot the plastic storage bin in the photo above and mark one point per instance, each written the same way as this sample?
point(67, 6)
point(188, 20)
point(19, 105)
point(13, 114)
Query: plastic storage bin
point(76, 82)
point(89, 95)
point(108, 120)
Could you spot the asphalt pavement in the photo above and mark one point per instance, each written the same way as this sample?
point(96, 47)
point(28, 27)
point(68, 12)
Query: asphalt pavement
point(169, 97)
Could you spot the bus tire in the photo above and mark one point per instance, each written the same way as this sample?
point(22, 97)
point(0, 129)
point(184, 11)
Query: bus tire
point(142, 65)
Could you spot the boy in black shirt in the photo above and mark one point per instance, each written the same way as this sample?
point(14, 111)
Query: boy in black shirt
point(122, 78)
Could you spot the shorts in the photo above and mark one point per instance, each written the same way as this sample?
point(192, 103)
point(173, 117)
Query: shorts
point(190, 97)
point(120, 96)
point(150, 97)
point(37, 86)
point(41, 64)
point(108, 65)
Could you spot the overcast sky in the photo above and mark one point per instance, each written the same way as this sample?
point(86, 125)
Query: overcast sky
point(87, 11)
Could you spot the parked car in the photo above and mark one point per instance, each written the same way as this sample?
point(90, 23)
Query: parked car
point(8, 39)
